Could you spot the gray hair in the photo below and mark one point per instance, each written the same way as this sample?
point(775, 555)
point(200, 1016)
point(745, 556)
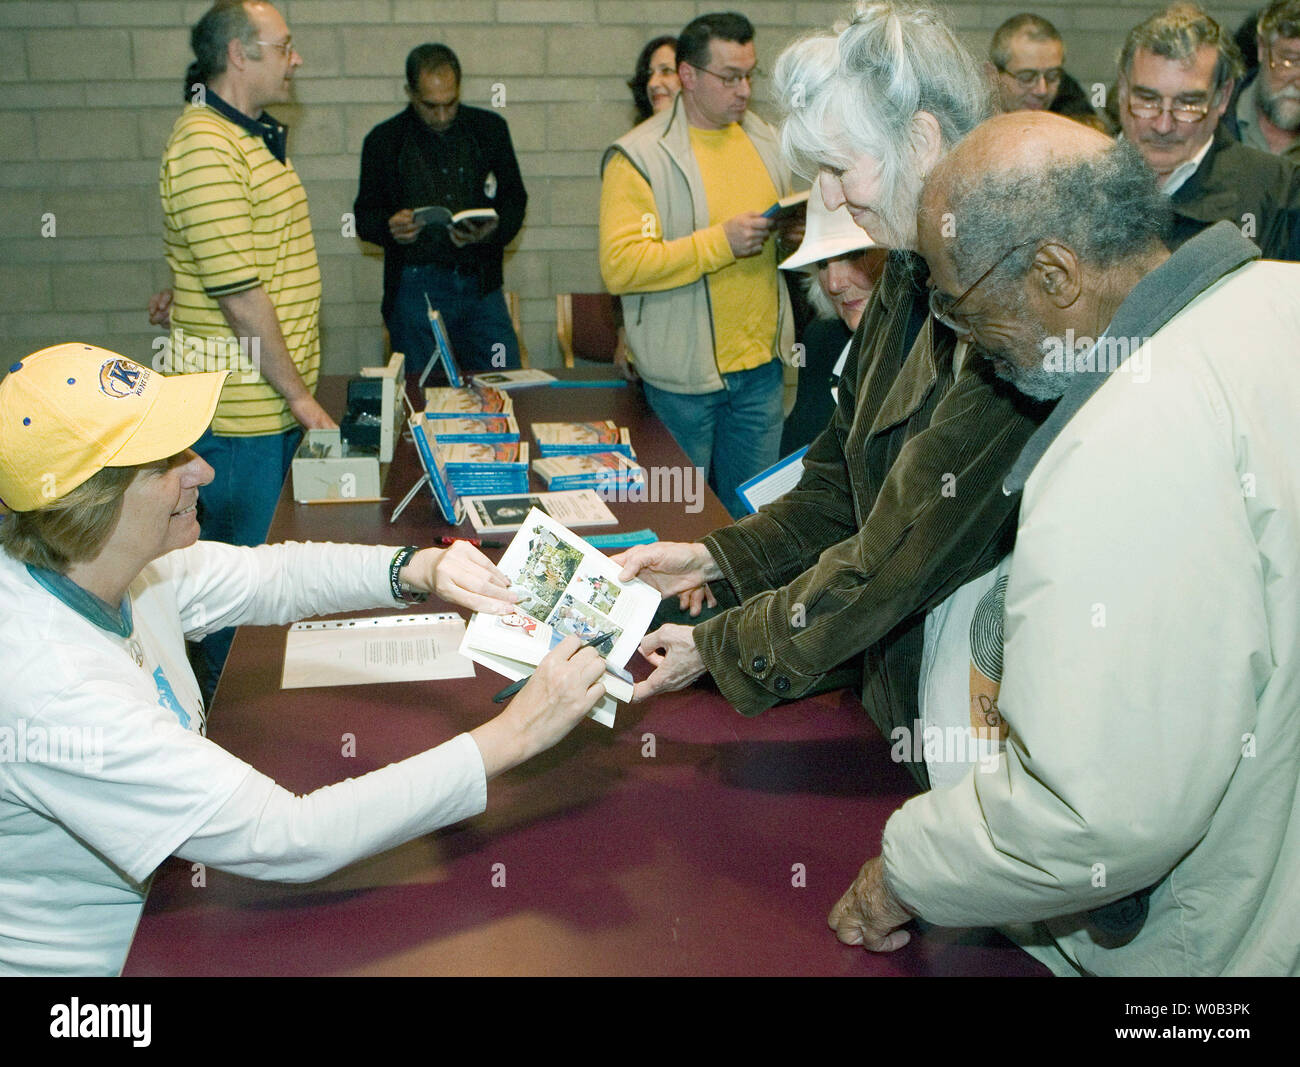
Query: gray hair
point(1034, 27)
point(223, 22)
point(819, 303)
point(1178, 33)
point(1280, 19)
point(856, 93)
point(1105, 207)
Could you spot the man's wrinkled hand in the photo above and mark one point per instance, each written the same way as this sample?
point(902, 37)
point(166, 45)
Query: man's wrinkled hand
point(671, 567)
point(671, 651)
point(868, 914)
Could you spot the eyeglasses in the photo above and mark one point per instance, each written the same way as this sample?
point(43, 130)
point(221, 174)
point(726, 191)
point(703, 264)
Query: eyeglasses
point(285, 48)
point(938, 299)
point(1275, 62)
point(731, 81)
point(1029, 78)
point(1144, 107)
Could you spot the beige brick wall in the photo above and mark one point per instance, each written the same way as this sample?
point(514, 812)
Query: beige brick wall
point(88, 92)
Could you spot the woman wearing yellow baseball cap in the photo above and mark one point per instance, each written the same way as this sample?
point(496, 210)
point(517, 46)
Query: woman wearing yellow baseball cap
point(104, 767)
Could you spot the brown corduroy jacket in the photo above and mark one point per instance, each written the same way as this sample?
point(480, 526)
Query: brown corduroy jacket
point(900, 503)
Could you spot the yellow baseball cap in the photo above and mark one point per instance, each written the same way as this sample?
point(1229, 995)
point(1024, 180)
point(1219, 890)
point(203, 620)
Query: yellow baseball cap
point(69, 411)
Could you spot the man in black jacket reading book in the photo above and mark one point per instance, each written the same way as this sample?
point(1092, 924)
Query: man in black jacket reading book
point(441, 153)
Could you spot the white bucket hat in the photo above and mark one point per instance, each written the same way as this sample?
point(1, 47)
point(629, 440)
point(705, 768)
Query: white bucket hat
point(827, 234)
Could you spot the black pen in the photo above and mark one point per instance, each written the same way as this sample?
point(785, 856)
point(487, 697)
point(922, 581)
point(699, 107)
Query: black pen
point(514, 687)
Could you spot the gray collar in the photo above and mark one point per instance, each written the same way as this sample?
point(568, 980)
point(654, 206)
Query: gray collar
point(1156, 299)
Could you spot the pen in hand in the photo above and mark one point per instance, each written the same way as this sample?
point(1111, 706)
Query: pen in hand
point(514, 687)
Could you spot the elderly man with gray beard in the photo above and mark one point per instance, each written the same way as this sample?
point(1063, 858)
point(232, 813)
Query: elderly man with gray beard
point(1151, 660)
point(1265, 110)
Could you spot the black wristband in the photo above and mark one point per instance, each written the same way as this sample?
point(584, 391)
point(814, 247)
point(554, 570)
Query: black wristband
point(400, 560)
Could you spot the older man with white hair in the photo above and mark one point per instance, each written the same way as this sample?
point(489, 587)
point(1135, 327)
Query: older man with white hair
point(1144, 818)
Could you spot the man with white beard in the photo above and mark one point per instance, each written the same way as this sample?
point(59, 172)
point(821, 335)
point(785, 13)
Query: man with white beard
point(1265, 113)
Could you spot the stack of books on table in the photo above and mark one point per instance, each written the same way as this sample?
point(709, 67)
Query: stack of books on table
point(444, 401)
point(482, 469)
point(595, 470)
point(472, 429)
point(582, 438)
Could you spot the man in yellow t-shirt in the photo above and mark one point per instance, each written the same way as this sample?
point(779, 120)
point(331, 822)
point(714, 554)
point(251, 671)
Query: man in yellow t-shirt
point(246, 283)
point(684, 242)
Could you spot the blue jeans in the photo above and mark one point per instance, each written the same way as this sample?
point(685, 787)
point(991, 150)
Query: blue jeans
point(478, 324)
point(237, 507)
point(732, 434)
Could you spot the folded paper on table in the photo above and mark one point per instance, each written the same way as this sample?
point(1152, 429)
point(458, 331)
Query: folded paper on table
point(389, 648)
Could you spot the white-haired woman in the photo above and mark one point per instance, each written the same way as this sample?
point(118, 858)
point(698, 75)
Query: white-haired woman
point(901, 498)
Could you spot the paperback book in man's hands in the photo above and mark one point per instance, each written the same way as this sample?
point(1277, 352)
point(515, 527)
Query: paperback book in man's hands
point(437, 215)
point(565, 587)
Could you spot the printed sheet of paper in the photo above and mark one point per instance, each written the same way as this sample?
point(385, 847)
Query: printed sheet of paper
point(394, 648)
point(570, 588)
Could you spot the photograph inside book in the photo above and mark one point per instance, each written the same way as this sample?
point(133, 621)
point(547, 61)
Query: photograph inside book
point(566, 587)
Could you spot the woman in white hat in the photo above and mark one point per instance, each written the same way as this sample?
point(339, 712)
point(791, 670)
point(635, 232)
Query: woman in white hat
point(843, 264)
point(104, 767)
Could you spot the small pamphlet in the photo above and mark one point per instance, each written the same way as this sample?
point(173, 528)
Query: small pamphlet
point(389, 648)
point(437, 215)
point(514, 379)
point(566, 587)
point(505, 513)
point(772, 483)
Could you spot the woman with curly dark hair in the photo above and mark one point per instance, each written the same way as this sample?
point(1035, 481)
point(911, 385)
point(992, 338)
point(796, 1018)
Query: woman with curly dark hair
point(654, 85)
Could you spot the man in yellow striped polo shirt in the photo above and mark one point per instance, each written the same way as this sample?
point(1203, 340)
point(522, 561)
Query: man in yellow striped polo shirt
point(244, 273)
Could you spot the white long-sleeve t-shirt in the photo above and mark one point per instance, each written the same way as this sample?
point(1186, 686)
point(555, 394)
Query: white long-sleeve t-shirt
point(105, 772)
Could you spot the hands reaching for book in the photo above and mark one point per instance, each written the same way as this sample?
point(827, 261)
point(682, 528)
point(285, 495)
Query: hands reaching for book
point(562, 690)
point(460, 575)
point(671, 651)
point(673, 568)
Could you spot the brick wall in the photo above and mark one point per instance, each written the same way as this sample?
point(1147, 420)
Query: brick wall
point(89, 90)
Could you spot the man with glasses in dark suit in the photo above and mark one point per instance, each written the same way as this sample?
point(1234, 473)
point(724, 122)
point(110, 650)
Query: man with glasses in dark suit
point(1176, 75)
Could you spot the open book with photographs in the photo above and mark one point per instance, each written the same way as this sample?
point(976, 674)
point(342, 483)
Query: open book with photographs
point(566, 587)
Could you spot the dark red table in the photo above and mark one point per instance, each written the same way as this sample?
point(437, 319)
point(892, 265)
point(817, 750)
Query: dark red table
point(687, 840)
